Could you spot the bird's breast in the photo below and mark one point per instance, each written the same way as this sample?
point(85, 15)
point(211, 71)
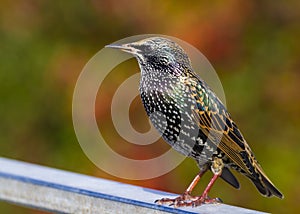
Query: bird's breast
point(170, 111)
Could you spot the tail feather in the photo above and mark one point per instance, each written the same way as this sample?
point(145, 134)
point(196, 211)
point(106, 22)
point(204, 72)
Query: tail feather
point(257, 175)
point(265, 186)
point(230, 178)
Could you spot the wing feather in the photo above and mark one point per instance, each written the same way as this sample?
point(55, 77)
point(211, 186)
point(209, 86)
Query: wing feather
point(216, 123)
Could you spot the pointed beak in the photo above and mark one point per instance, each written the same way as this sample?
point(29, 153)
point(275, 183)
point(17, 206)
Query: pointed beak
point(123, 47)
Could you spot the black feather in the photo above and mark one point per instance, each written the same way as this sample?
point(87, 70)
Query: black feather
point(230, 178)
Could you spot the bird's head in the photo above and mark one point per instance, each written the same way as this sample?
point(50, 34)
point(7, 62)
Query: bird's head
point(157, 53)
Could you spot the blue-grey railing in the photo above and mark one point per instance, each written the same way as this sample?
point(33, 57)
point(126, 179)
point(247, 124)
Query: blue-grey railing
point(67, 192)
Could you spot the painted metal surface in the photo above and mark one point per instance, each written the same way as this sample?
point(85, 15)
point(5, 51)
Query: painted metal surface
point(67, 192)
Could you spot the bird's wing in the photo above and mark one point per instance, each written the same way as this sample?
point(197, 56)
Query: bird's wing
point(216, 123)
point(214, 120)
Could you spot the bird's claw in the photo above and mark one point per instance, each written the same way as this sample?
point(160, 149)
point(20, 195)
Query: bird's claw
point(176, 202)
point(205, 200)
point(186, 200)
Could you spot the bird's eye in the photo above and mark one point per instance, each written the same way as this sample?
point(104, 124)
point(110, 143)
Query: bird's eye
point(146, 48)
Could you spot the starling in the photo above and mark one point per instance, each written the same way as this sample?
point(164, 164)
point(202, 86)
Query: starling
point(192, 119)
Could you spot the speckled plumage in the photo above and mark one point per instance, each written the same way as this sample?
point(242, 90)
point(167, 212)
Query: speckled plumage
point(192, 119)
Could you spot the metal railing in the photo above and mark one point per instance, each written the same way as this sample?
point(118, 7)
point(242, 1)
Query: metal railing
point(66, 192)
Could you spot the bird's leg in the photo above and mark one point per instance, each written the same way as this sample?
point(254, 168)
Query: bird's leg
point(204, 199)
point(186, 196)
point(216, 168)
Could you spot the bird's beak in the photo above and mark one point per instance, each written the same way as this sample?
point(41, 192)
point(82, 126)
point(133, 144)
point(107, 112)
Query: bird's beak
point(124, 47)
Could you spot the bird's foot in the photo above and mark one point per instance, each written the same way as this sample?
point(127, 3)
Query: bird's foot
point(186, 200)
point(203, 200)
point(178, 201)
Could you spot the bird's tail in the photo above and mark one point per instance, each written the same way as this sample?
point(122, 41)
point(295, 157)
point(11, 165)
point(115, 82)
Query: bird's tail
point(264, 185)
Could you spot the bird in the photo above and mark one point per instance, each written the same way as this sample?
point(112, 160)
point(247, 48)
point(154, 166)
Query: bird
point(192, 120)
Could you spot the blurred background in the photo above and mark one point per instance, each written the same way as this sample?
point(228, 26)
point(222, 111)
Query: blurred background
point(253, 46)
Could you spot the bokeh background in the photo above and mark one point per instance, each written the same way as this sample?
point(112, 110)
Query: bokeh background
point(253, 46)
